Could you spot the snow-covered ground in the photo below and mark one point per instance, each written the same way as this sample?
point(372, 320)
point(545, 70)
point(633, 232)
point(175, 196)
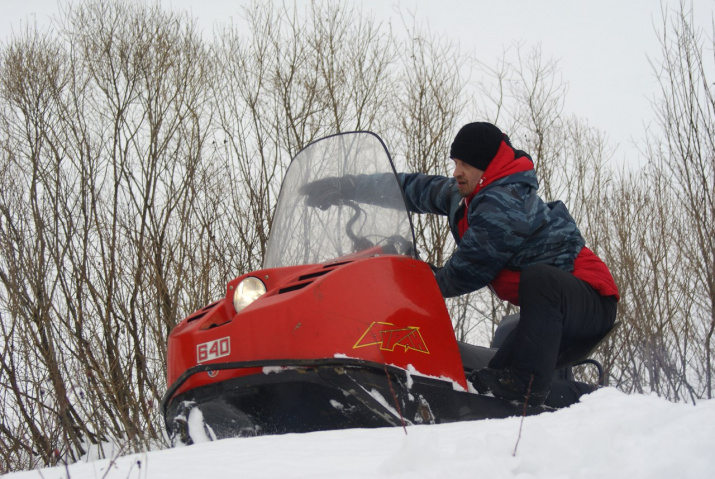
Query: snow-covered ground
point(608, 435)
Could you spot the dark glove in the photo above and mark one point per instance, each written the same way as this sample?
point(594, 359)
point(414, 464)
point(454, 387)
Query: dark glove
point(326, 192)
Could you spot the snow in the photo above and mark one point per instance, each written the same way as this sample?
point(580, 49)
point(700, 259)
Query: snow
point(609, 434)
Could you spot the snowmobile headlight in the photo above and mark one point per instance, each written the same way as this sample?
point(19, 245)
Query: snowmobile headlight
point(247, 291)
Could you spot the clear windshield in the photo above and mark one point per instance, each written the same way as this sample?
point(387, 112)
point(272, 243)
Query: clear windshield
point(370, 215)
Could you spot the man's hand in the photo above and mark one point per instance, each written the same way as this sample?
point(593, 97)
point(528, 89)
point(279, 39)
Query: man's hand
point(327, 192)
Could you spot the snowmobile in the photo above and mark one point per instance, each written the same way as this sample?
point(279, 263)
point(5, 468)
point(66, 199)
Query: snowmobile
point(344, 327)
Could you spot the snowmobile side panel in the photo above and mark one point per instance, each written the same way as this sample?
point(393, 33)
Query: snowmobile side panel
point(351, 310)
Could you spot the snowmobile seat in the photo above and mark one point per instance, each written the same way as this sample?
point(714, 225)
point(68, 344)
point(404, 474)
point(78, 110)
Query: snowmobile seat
point(506, 326)
point(579, 351)
point(565, 389)
point(475, 357)
point(573, 355)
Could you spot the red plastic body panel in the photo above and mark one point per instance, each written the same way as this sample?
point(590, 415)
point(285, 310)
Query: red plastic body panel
point(385, 309)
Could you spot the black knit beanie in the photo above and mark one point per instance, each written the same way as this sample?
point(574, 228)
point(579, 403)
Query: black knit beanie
point(477, 144)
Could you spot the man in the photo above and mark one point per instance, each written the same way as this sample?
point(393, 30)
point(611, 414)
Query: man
point(529, 252)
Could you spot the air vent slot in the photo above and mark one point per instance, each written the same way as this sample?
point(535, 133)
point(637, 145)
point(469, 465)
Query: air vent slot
point(335, 265)
point(306, 279)
point(211, 305)
point(211, 325)
point(294, 287)
point(198, 316)
point(313, 275)
point(203, 311)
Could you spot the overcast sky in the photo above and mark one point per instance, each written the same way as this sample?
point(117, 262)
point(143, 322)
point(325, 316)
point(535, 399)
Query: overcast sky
point(602, 46)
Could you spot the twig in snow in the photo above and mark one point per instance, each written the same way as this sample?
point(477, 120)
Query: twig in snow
point(523, 415)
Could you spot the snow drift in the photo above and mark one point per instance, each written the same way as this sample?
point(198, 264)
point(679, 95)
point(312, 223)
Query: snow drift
point(609, 434)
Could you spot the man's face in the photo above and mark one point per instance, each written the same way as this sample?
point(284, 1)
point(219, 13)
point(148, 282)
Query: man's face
point(467, 177)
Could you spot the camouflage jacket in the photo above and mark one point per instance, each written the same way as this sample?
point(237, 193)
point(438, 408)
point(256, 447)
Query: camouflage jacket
point(509, 225)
